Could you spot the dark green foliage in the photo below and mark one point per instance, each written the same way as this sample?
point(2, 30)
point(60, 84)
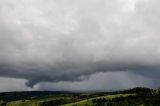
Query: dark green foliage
point(143, 97)
point(54, 102)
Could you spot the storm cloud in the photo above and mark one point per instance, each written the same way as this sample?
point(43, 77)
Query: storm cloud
point(69, 40)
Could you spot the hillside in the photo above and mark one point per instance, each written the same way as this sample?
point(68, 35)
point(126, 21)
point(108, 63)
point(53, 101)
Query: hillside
point(131, 97)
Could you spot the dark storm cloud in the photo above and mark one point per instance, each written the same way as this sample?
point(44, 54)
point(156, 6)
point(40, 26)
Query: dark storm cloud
point(101, 82)
point(59, 40)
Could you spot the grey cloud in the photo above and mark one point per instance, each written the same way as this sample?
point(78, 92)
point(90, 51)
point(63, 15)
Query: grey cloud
point(108, 81)
point(12, 84)
point(52, 41)
point(102, 81)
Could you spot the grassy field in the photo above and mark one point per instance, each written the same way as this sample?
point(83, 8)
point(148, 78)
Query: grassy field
point(88, 102)
point(132, 97)
point(34, 101)
point(38, 101)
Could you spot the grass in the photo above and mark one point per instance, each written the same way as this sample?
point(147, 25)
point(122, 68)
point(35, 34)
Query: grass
point(89, 101)
point(36, 101)
point(137, 96)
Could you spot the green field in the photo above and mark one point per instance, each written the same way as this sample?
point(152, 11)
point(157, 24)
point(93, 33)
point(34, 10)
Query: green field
point(88, 102)
point(132, 97)
point(39, 101)
point(34, 102)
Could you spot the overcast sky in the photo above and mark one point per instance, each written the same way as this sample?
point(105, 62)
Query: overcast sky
point(79, 44)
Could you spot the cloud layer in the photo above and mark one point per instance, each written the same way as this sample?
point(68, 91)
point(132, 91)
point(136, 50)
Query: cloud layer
point(59, 40)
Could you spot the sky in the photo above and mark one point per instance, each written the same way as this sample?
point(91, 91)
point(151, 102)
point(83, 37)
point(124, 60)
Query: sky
point(79, 45)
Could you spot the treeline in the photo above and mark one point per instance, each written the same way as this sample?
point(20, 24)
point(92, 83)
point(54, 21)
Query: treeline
point(13, 96)
point(133, 90)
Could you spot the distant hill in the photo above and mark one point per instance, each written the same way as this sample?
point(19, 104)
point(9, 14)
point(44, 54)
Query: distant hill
point(11, 96)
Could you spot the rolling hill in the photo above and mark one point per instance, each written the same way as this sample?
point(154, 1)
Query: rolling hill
point(132, 97)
